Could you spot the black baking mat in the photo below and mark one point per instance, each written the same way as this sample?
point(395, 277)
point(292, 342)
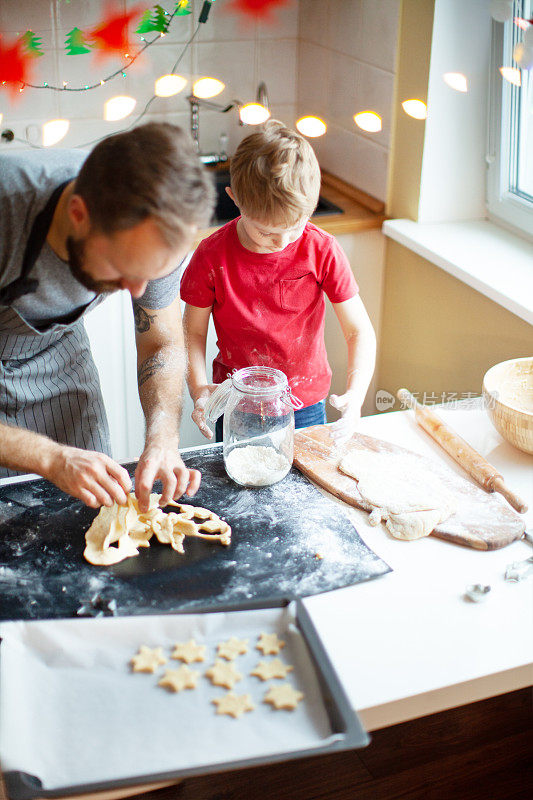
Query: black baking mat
point(278, 532)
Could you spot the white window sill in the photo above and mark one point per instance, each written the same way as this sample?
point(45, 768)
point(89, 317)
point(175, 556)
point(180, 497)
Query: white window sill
point(491, 260)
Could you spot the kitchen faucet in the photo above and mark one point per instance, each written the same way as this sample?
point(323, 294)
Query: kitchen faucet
point(195, 104)
point(262, 95)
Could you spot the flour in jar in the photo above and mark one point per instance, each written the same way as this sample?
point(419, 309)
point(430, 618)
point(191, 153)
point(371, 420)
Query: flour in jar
point(256, 465)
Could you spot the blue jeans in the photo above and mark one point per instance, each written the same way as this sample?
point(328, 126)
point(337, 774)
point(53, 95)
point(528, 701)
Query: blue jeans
point(311, 415)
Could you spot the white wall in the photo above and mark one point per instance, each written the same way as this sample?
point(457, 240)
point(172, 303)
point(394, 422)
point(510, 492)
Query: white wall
point(454, 168)
point(346, 64)
point(238, 52)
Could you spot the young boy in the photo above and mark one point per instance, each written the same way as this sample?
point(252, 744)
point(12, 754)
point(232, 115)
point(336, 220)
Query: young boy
point(263, 278)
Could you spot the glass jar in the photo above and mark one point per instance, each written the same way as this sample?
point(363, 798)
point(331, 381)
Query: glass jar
point(258, 410)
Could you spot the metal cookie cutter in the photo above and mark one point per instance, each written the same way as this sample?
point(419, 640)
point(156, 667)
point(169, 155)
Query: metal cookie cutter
point(519, 570)
point(476, 592)
point(98, 606)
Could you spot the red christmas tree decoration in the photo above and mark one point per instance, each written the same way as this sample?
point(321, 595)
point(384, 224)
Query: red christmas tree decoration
point(111, 37)
point(14, 67)
point(258, 9)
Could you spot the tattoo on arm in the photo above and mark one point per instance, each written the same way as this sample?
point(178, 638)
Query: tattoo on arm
point(149, 367)
point(142, 319)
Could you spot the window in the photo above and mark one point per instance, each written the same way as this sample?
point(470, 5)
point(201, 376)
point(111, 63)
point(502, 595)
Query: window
point(510, 149)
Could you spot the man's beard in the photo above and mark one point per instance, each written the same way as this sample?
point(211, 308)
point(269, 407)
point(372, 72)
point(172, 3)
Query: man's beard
point(76, 259)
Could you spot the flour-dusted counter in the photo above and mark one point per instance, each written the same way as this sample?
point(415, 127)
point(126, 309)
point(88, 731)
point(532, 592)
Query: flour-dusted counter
point(409, 644)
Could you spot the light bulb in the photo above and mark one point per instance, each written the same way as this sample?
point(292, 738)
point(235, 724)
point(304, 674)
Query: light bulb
point(368, 121)
point(254, 114)
point(512, 75)
point(54, 131)
point(1, 117)
point(168, 85)
point(119, 107)
point(415, 108)
point(456, 80)
point(207, 87)
point(311, 126)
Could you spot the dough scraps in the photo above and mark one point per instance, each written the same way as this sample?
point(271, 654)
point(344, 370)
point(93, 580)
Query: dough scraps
point(177, 679)
point(223, 674)
point(283, 696)
point(232, 648)
point(398, 489)
point(269, 644)
point(271, 669)
point(148, 659)
point(130, 529)
point(233, 704)
point(189, 651)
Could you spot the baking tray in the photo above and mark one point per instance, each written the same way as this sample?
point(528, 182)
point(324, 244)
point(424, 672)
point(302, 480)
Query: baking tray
point(74, 718)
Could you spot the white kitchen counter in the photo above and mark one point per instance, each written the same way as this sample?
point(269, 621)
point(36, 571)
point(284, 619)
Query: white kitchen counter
point(407, 644)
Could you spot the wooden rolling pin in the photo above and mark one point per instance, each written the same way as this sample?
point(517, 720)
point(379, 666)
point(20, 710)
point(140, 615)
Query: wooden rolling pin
point(469, 459)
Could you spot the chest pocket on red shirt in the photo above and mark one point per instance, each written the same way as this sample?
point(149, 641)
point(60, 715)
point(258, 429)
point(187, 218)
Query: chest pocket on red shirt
point(296, 294)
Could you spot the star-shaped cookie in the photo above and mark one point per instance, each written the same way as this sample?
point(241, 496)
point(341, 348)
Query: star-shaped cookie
point(269, 644)
point(188, 651)
point(223, 674)
point(234, 705)
point(148, 659)
point(271, 669)
point(232, 648)
point(178, 679)
point(283, 696)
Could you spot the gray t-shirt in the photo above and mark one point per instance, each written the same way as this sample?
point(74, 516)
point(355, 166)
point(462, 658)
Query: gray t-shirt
point(27, 179)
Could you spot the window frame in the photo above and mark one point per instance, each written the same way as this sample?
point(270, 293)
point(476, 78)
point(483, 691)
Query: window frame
point(503, 206)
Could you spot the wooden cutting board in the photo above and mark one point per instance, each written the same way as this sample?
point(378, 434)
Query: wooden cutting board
point(483, 521)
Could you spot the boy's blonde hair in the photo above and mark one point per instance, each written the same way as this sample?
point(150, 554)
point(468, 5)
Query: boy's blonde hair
point(275, 175)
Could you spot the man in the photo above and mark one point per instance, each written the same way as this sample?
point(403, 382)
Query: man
point(68, 237)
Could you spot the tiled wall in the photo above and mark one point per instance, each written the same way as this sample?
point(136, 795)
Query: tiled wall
point(328, 57)
point(229, 47)
point(346, 63)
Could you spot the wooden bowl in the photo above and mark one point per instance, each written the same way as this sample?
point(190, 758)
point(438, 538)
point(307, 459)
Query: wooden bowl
point(508, 395)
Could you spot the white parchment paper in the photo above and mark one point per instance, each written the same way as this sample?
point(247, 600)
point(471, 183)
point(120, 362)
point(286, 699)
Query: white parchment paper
point(72, 712)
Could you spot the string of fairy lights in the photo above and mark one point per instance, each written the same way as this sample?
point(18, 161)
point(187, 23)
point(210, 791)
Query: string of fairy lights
point(121, 106)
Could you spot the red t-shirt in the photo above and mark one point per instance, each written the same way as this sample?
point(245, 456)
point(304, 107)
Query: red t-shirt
point(268, 308)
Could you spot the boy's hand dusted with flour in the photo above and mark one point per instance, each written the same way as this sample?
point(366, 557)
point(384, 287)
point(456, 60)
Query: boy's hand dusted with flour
point(264, 276)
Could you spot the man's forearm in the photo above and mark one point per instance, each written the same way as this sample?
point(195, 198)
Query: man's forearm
point(160, 382)
point(26, 451)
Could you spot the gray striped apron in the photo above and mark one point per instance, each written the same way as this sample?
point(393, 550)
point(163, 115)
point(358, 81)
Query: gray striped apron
point(48, 380)
point(49, 383)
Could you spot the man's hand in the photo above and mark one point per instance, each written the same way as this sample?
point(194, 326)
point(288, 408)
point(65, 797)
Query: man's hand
point(349, 404)
point(161, 460)
point(198, 414)
point(93, 478)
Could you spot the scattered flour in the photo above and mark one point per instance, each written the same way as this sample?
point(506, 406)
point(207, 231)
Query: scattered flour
point(256, 465)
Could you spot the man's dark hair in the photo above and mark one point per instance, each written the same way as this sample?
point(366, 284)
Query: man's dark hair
point(150, 171)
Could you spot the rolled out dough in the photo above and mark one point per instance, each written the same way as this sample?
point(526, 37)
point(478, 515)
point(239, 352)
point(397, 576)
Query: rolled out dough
point(129, 529)
point(399, 490)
